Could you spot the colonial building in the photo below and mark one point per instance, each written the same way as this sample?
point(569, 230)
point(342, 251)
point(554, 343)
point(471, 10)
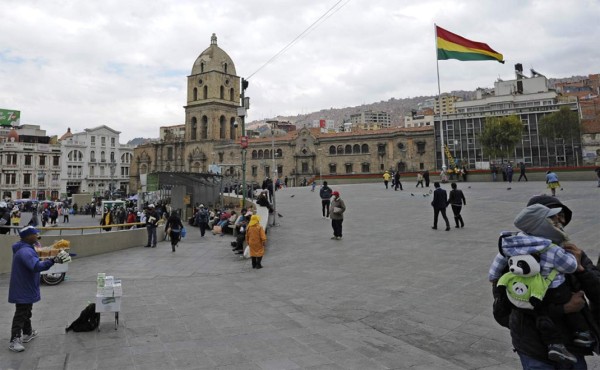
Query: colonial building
point(212, 136)
point(93, 161)
point(527, 98)
point(29, 164)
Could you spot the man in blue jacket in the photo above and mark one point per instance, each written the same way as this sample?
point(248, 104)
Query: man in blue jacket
point(24, 288)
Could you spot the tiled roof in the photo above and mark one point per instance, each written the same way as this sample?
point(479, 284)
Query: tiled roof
point(591, 126)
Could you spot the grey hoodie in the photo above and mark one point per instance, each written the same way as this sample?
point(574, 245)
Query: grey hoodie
point(535, 220)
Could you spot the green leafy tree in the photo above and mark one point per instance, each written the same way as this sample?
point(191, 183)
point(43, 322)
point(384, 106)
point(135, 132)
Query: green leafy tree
point(563, 124)
point(500, 135)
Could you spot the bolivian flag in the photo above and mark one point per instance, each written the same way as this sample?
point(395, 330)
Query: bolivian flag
point(453, 46)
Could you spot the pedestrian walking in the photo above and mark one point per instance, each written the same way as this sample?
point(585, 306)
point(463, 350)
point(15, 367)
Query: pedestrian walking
point(151, 225)
point(336, 210)
point(494, 171)
point(439, 204)
point(325, 194)
point(597, 170)
point(419, 179)
point(509, 172)
point(93, 210)
point(65, 215)
point(24, 288)
point(386, 178)
point(456, 201)
point(4, 219)
point(202, 219)
point(426, 177)
point(397, 181)
point(257, 240)
point(285, 181)
point(173, 228)
point(522, 170)
point(15, 219)
point(313, 185)
point(552, 181)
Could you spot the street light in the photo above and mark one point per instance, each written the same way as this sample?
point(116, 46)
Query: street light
point(274, 180)
point(112, 165)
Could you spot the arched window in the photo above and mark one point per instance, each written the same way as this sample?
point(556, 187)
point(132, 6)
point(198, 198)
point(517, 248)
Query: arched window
point(232, 132)
point(102, 157)
point(205, 92)
point(260, 154)
point(231, 97)
point(279, 153)
point(194, 128)
point(195, 93)
point(356, 149)
point(201, 67)
point(340, 149)
point(93, 156)
point(222, 127)
point(267, 154)
point(348, 149)
point(254, 154)
point(112, 156)
point(225, 67)
point(204, 128)
point(332, 150)
point(365, 148)
point(222, 92)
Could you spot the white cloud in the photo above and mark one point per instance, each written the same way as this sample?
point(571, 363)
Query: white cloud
point(80, 64)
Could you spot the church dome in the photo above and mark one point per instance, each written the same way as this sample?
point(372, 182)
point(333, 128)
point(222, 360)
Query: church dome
point(12, 135)
point(66, 135)
point(213, 59)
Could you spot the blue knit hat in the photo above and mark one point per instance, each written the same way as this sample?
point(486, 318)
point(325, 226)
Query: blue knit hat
point(29, 230)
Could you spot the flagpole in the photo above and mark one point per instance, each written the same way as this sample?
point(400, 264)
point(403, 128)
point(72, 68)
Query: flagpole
point(437, 65)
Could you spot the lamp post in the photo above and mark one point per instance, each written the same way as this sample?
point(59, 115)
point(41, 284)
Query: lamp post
point(245, 104)
point(112, 165)
point(275, 174)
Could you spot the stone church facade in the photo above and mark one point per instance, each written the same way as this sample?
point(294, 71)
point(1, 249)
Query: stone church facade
point(213, 137)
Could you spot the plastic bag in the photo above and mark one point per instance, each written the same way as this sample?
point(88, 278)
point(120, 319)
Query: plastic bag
point(247, 252)
point(183, 232)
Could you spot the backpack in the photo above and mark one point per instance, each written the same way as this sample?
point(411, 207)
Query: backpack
point(88, 320)
point(202, 217)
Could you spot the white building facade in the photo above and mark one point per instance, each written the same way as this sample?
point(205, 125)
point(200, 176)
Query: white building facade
point(94, 162)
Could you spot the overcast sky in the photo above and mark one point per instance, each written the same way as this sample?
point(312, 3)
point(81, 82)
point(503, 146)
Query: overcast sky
point(124, 63)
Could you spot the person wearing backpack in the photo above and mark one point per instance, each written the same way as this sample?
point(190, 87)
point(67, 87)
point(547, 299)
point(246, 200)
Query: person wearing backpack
point(325, 194)
point(202, 219)
point(526, 337)
point(24, 288)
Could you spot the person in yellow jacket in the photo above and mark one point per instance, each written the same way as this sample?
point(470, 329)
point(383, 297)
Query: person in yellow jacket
point(256, 239)
point(386, 178)
point(15, 219)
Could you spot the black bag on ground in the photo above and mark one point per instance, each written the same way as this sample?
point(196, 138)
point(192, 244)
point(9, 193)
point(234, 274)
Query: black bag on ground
point(88, 320)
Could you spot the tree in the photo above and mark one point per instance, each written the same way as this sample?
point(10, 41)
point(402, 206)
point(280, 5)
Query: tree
point(563, 124)
point(500, 135)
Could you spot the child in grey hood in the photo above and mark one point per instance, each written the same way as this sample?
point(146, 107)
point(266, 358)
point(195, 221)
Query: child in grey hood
point(542, 237)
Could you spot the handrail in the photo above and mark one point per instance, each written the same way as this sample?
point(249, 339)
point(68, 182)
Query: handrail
point(82, 228)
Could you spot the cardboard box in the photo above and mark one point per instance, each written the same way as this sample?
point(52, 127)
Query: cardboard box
point(108, 304)
point(117, 289)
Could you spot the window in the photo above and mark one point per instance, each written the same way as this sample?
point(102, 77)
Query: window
point(225, 67)
point(102, 157)
point(10, 178)
point(103, 141)
point(340, 149)
point(260, 154)
point(26, 179)
point(170, 154)
point(421, 147)
point(204, 128)
point(348, 149)
point(254, 154)
point(222, 127)
point(332, 150)
point(28, 159)
point(348, 167)
point(365, 168)
point(195, 93)
point(421, 166)
point(231, 96)
point(93, 140)
point(56, 160)
point(279, 170)
point(332, 169)
point(279, 153)
point(112, 142)
point(205, 92)
point(304, 167)
point(267, 171)
point(92, 171)
point(356, 149)
point(254, 170)
point(222, 92)
point(92, 156)
point(267, 154)
point(11, 159)
point(194, 127)
point(42, 160)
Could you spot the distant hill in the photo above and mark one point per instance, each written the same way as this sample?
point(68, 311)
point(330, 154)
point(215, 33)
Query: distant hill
point(397, 108)
point(139, 141)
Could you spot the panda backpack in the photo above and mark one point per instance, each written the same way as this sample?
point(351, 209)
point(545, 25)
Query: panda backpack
point(524, 284)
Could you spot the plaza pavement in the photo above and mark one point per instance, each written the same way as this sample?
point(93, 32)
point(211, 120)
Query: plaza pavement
point(393, 294)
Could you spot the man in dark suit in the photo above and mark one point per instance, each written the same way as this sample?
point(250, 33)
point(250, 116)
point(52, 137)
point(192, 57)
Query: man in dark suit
point(439, 204)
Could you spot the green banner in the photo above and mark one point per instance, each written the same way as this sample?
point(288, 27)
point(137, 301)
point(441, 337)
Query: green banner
point(9, 117)
point(152, 182)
